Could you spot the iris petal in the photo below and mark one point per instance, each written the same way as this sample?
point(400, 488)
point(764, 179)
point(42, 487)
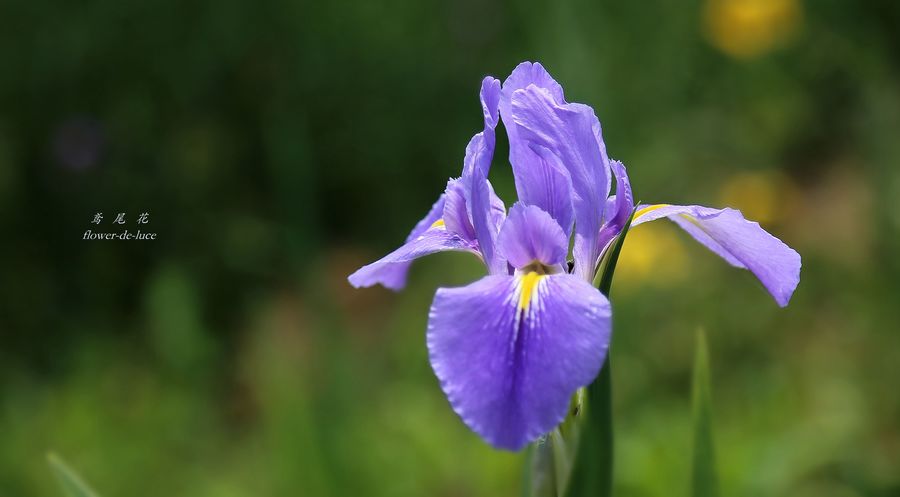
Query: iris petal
point(465, 218)
point(531, 235)
point(456, 215)
point(511, 351)
point(390, 271)
point(393, 276)
point(476, 166)
point(540, 178)
point(740, 242)
point(618, 206)
point(572, 132)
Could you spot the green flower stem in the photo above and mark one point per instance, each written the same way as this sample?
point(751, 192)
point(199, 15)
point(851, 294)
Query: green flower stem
point(592, 473)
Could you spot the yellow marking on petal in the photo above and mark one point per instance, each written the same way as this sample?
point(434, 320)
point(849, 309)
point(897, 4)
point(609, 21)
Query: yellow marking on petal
point(438, 223)
point(693, 220)
point(648, 209)
point(529, 285)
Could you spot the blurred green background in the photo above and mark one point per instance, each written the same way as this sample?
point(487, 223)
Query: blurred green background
point(277, 146)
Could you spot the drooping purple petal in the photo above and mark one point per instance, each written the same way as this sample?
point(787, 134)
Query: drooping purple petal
point(740, 242)
point(510, 351)
point(541, 179)
point(572, 132)
point(531, 235)
point(393, 276)
point(390, 271)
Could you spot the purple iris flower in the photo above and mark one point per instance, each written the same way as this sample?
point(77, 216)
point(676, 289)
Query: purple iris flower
point(512, 348)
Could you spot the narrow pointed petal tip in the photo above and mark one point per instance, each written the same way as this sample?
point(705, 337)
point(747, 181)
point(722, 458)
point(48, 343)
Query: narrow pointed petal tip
point(509, 352)
point(740, 242)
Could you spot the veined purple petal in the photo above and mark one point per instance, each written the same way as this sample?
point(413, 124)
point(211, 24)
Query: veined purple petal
point(742, 243)
point(510, 351)
point(390, 271)
point(572, 132)
point(541, 179)
point(544, 182)
point(531, 235)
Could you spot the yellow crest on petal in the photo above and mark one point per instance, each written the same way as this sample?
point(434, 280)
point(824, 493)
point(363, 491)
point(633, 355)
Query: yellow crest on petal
point(648, 209)
point(528, 286)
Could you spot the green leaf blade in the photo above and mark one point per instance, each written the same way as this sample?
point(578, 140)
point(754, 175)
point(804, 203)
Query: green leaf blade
point(592, 470)
point(704, 479)
point(72, 484)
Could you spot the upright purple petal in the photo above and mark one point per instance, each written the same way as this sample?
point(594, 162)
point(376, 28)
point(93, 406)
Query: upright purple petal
point(541, 179)
point(740, 242)
point(390, 271)
point(572, 132)
point(484, 221)
point(530, 235)
point(456, 213)
point(480, 149)
point(477, 163)
point(618, 206)
point(523, 76)
point(624, 199)
point(498, 208)
point(545, 183)
point(511, 351)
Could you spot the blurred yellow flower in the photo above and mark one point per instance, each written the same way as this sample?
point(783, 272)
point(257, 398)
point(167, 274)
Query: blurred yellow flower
point(758, 195)
point(654, 255)
point(749, 28)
